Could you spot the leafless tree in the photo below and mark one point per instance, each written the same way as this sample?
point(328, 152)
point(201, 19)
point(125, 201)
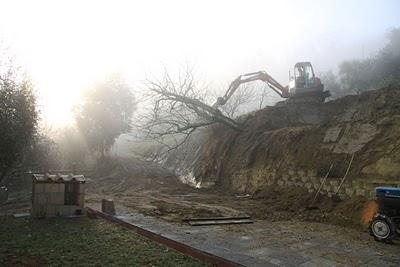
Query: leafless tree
point(175, 108)
point(245, 95)
point(266, 92)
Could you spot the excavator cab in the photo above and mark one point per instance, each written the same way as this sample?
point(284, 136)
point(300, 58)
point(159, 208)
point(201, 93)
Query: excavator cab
point(304, 75)
point(304, 81)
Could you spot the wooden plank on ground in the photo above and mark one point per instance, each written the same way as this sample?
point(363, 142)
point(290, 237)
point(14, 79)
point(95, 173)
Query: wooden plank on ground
point(216, 218)
point(219, 222)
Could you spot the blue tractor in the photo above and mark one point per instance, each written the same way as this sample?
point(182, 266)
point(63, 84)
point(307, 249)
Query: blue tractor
point(385, 225)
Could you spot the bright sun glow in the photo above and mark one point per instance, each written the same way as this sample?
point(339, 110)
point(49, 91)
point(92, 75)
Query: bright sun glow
point(67, 46)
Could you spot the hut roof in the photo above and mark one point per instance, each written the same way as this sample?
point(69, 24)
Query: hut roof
point(58, 178)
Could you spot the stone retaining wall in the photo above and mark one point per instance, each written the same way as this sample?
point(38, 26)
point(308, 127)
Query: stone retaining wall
point(350, 187)
point(312, 182)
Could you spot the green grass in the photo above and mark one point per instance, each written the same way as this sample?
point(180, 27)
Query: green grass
point(80, 242)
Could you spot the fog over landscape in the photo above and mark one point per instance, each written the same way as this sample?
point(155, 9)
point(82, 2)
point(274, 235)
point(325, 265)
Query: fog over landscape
point(200, 133)
point(67, 46)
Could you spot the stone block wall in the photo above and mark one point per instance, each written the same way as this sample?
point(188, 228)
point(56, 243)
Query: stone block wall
point(310, 181)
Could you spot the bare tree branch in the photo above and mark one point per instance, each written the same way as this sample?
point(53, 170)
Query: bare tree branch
point(175, 109)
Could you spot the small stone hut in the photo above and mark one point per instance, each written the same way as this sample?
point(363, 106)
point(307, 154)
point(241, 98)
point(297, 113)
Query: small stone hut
point(57, 195)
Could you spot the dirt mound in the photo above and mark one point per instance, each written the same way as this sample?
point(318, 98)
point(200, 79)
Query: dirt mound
point(279, 203)
point(283, 153)
point(125, 174)
point(308, 138)
point(273, 168)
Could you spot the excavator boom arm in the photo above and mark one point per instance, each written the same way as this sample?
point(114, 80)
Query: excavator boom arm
point(249, 77)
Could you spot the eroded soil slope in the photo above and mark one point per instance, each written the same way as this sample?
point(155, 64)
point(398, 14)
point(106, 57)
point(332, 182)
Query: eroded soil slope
point(297, 142)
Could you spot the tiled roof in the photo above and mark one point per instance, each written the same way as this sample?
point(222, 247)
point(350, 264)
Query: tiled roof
point(58, 178)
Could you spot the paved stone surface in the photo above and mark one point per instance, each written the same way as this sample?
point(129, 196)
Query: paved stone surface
point(286, 243)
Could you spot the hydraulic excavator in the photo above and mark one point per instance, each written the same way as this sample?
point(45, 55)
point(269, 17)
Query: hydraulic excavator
point(303, 86)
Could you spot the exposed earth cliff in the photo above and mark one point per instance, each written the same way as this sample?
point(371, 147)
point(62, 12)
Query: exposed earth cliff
point(294, 145)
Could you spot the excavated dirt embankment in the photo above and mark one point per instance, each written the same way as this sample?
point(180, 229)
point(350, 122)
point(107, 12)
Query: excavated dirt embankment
point(294, 145)
point(273, 168)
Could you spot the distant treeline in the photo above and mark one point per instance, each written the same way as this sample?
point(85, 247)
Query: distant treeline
point(374, 72)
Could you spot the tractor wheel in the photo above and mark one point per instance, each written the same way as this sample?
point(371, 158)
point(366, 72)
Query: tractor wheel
point(382, 228)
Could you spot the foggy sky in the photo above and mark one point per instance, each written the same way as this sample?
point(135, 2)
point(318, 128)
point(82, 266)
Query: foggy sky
point(68, 45)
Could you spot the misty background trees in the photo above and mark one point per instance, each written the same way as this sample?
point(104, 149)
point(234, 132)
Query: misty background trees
point(18, 119)
point(105, 114)
point(374, 72)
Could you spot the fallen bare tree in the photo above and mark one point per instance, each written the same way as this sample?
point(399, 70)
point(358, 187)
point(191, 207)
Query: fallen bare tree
point(243, 97)
point(174, 108)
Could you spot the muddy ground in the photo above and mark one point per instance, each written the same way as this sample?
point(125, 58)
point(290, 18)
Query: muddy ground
point(162, 195)
point(284, 233)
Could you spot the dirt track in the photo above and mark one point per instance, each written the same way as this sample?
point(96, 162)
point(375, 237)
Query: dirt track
point(284, 233)
point(165, 197)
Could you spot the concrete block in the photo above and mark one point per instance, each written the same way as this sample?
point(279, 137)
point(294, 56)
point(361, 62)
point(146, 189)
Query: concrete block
point(334, 183)
point(312, 173)
point(107, 206)
point(57, 198)
point(304, 179)
point(309, 185)
point(315, 180)
point(67, 210)
point(60, 188)
point(50, 211)
point(55, 188)
point(360, 192)
point(327, 187)
point(349, 191)
point(359, 184)
point(62, 210)
point(48, 188)
point(39, 188)
point(42, 199)
point(316, 185)
point(39, 211)
point(81, 200)
point(341, 191)
point(82, 188)
point(79, 211)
